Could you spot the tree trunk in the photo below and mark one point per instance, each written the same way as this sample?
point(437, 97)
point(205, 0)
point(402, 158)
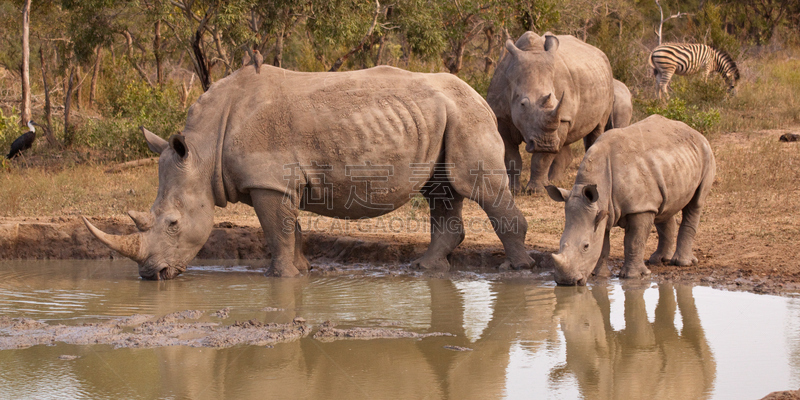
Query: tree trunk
point(79, 88)
point(457, 60)
point(379, 57)
point(51, 139)
point(95, 76)
point(199, 59)
point(68, 131)
point(129, 53)
point(488, 61)
point(25, 111)
point(157, 53)
point(278, 60)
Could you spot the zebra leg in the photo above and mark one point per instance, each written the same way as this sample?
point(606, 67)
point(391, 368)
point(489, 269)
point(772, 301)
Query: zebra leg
point(663, 83)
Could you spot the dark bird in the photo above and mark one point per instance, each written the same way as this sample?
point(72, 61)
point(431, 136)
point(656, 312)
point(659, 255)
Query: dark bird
point(23, 142)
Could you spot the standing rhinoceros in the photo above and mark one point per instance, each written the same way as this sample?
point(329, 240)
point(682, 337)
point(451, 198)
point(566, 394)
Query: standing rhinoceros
point(630, 178)
point(345, 145)
point(549, 92)
point(623, 107)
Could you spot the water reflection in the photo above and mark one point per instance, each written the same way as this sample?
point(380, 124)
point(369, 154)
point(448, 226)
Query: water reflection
point(643, 360)
point(527, 339)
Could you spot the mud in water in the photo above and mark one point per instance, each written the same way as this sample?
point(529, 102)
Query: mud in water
point(144, 331)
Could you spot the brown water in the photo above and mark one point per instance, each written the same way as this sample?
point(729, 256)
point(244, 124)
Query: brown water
point(528, 339)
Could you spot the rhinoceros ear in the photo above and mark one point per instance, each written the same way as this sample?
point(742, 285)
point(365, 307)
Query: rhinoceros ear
point(550, 43)
point(178, 144)
point(155, 143)
point(590, 192)
point(512, 48)
point(557, 193)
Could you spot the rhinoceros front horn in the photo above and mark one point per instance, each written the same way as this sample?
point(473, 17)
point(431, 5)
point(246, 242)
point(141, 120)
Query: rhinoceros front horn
point(128, 245)
point(554, 117)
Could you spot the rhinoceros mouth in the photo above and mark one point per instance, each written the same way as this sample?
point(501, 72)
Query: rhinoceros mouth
point(161, 274)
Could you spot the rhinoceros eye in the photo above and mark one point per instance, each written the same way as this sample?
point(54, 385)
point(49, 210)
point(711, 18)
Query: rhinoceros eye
point(172, 225)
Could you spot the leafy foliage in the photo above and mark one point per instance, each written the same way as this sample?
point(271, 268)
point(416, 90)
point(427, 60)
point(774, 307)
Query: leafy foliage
point(149, 54)
point(677, 109)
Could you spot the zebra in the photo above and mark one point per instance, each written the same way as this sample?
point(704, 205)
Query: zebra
point(685, 58)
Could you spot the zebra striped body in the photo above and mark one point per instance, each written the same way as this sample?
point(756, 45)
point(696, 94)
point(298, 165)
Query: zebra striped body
point(684, 59)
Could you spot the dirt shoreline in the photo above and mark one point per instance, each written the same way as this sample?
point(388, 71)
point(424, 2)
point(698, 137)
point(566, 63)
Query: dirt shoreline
point(67, 238)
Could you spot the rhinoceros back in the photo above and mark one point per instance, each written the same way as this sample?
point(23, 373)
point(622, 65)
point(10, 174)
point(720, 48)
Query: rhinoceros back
point(655, 165)
point(336, 133)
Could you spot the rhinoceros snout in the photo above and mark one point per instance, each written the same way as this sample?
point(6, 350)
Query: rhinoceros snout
point(563, 275)
point(160, 273)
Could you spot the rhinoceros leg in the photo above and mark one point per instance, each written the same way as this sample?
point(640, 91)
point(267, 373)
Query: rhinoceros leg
point(560, 164)
point(540, 167)
point(447, 227)
point(589, 139)
point(666, 241)
point(601, 269)
point(636, 232)
point(507, 220)
point(689, 222)
point(278, 218)
point(513, 161)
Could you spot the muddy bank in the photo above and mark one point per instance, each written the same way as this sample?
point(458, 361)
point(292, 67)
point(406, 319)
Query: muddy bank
point(68, 238)
point(176, 329)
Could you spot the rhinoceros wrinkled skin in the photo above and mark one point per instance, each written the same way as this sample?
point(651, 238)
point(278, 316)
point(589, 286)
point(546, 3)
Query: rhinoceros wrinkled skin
point(622, 112)
point(549, 92)
point(345, 145)
point(632, 177)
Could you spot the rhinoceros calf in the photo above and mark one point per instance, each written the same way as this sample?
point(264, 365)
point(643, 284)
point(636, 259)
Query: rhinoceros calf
point(345, 145)
point(632, 177)
point(622, 111)
point(549, 92)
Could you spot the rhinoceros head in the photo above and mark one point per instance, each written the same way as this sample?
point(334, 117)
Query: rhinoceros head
point(584, 231)
point(535, 109)
point(180, 220)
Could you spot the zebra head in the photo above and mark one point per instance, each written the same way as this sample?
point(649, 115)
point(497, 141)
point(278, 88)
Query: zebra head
point(728, 69)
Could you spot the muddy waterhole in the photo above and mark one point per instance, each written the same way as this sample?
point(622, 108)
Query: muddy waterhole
point(92, 329)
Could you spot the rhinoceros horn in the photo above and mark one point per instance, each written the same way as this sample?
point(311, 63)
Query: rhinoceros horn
point(143, 221)
point(559, 261)
point(128, 245)
point(554, 116)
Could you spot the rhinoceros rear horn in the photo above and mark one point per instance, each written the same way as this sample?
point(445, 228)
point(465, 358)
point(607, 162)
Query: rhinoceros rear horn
point(143, 221)
point(154, 142)
point(128, 245)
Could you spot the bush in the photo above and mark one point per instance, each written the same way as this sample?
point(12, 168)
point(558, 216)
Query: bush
point(126, 107)
point(9, 130)
point(692, 115)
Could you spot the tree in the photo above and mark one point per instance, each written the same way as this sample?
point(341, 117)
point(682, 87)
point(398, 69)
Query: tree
point(25, 67)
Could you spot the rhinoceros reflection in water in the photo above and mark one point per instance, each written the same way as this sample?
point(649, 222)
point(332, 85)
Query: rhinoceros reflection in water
point(642, 361)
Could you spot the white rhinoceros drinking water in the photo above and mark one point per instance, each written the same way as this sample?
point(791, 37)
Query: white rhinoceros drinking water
point(549, 92)
point(632, 177)
point(345, 145)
